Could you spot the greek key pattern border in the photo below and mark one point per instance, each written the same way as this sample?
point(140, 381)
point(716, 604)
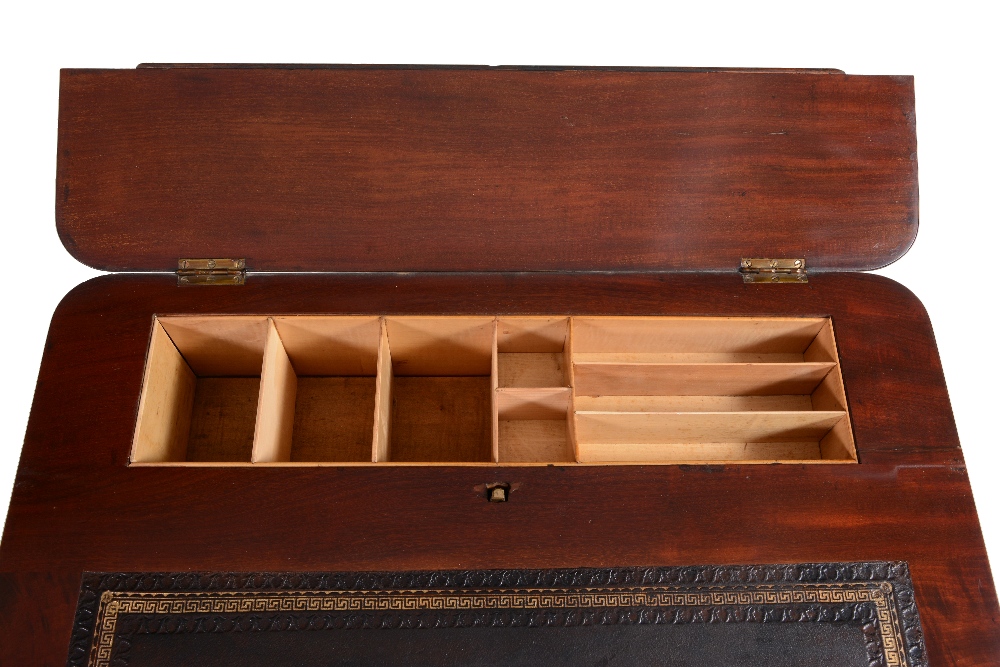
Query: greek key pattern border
point(113, 604)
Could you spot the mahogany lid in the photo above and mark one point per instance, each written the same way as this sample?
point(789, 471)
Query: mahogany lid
point(484, 169)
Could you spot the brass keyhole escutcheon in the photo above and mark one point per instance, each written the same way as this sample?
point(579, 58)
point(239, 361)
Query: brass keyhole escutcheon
point(497, 493)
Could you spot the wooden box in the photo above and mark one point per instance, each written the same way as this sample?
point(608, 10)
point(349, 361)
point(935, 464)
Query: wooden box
point(423, 319)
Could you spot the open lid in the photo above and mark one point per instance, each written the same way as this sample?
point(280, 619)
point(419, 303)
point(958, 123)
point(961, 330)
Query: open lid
point(350, 168)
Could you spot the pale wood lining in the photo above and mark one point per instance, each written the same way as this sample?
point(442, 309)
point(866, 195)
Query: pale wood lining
point(383, 400)
point(219, 345)
point(569, 351)
point(331, 346)
point(494, 385)
point(161, 430)
point(713, 379)
point(532, 402)
point(695, 334)
point(701, 452)
point(694, 403)
point(531, 369)
point(275, 403)
point(441, 346)
point(441, 419)
point(333, 419)
point(201, 389)
point(689, 357)
point(532, 334)
point(654, 389)
point(680, 427)
point(223, 416)
point(838, 444)
point(488, 464)
point(532, 390)
point(534, 441)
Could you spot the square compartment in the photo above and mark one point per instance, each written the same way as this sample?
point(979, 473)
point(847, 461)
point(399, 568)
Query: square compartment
point(333, 362)
point(200, 390)
point(441, 404)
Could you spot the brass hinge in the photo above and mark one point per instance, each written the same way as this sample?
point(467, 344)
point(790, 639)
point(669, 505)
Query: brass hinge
point(211, 271)
point(761, 270)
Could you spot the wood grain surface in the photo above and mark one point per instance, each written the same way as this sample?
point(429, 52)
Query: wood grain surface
point(334, 417)
point(495, 169)
point(77, 506)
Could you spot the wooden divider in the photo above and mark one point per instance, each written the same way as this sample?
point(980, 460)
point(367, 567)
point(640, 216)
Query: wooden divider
point(383, 399)
point(494, 403)
point(275, 404)
point(569, 352)
point(165, 407)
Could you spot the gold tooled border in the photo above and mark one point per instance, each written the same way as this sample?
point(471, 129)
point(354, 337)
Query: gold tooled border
point(113, 604)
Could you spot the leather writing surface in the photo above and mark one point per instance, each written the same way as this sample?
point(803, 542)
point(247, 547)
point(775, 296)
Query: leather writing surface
point(701, 645)
point(844, 615)
point(438, 169)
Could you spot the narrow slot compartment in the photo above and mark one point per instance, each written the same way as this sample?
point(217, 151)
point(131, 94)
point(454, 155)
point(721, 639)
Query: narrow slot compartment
point(695, 335)
point(441, 403)
point(684, 427)
point(652, 436)
point(694, 403)
point(603, 378)
point(533, 394)
point(200, 390)
point(702, 453)
point(333, 363)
